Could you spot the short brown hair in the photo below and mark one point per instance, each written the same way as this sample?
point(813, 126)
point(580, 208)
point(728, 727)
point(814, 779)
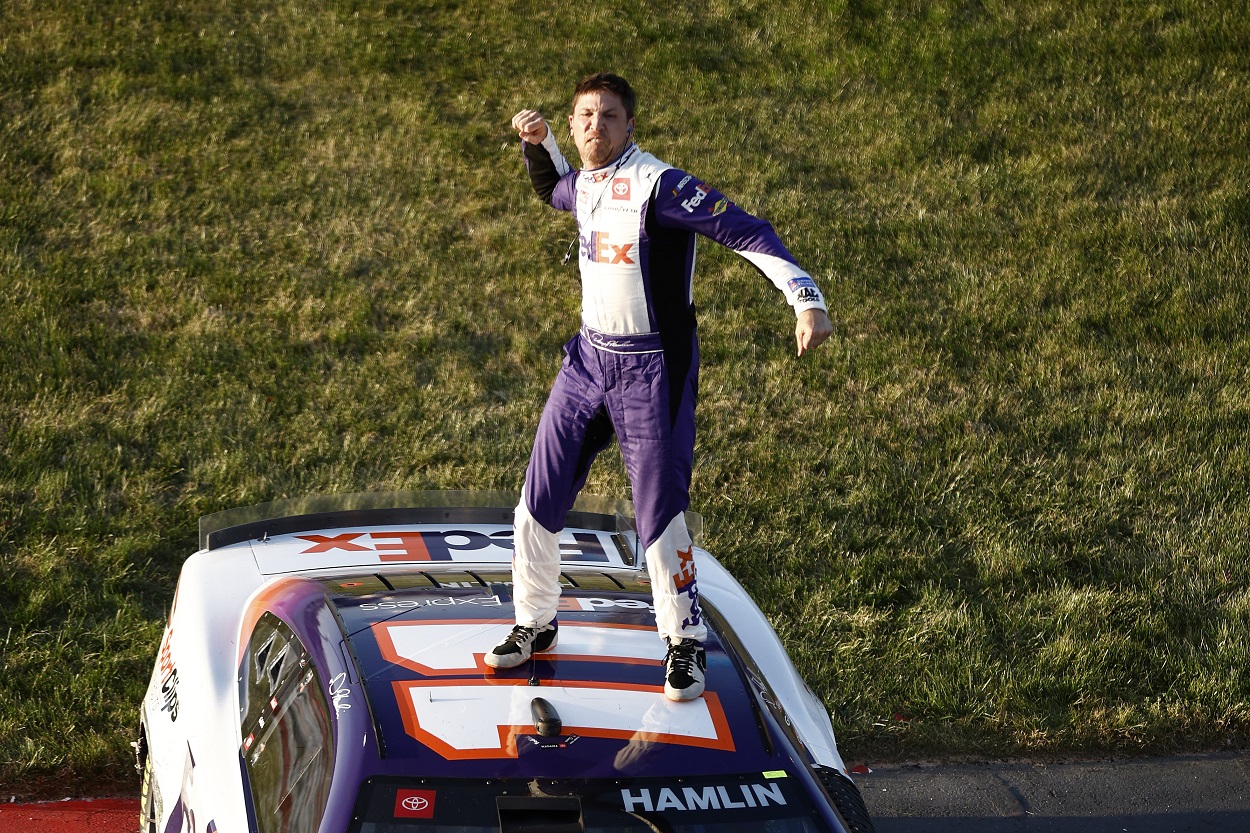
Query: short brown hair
point(607, 82)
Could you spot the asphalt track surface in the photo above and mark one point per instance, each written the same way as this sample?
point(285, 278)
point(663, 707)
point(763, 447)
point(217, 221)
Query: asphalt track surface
point(1190, 794)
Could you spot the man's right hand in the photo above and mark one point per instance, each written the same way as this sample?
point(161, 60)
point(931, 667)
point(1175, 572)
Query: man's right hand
point(531, 125)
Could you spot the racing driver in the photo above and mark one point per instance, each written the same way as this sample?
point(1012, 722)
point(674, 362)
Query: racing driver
point(632, 371)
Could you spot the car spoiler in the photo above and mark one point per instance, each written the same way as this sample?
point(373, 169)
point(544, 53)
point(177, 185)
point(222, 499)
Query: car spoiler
point(292, 515)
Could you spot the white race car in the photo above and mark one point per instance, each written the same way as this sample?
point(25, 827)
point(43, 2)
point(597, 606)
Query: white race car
point(323, 670)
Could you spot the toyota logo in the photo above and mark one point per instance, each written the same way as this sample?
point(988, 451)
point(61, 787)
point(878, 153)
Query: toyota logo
point(415, 803)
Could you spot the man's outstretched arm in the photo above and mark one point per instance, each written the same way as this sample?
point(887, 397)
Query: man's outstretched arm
point(682, 201)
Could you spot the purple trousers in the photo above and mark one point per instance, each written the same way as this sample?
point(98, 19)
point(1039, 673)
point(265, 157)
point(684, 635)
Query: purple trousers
point(643, 391)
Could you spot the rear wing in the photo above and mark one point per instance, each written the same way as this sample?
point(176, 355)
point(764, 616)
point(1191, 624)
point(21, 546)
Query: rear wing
point(294, 515)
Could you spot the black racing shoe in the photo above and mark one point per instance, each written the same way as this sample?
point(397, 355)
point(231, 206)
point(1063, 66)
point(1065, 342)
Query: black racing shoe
point(683, 669)
point(517, 647)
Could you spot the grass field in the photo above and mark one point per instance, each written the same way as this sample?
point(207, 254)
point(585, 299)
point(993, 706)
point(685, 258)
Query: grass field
point(268, 249)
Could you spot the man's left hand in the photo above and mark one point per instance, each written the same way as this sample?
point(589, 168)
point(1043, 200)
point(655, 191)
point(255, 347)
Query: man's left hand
point(812, 329)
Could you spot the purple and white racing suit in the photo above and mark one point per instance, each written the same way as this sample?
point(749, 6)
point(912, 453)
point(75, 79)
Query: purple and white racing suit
point(633, 369)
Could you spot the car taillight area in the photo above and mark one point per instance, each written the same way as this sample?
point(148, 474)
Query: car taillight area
point(750, 803)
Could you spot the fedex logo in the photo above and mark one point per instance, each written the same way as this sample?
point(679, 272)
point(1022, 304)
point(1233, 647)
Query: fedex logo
point(583, 603)
point(700, 194)
point(597, 248)
point(440, 545)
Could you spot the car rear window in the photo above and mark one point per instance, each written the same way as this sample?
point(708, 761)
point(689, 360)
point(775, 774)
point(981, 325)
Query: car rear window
point(286, 741)
point(768, 802)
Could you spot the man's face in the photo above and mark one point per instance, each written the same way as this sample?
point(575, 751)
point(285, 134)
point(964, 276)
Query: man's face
point(600, 127)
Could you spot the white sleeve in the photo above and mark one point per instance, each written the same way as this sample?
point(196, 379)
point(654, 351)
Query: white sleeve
point(552, 147)
point(800, 290)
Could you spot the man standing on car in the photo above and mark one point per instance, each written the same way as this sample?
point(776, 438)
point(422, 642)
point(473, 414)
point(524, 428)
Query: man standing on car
point(632, 371)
